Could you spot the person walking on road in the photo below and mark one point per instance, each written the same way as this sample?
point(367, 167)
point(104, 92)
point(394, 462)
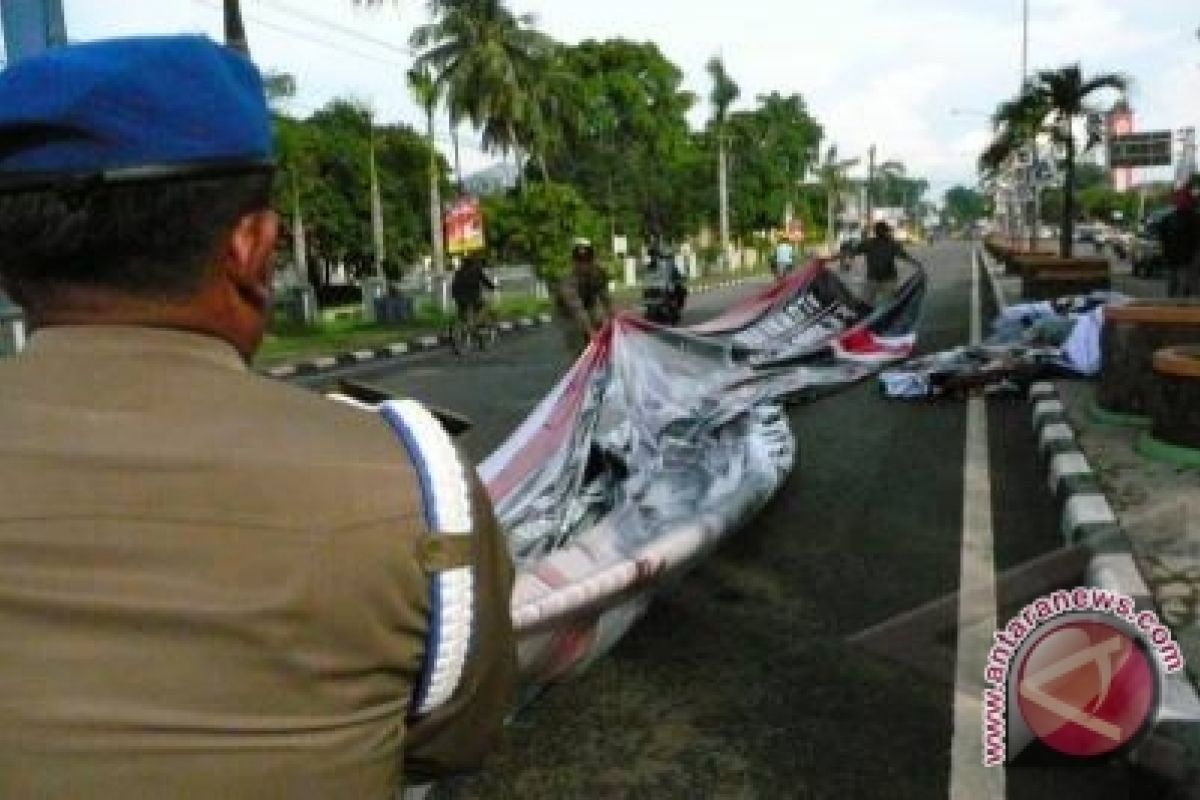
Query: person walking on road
point(881, 252)
point(785, 258)
point(212, 584)
point(1180, 234)
point(582, 303)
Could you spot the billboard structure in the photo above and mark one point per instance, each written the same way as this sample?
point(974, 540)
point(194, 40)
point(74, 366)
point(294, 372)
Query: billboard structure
point(464, 227)
point(1148, 149)
point(1120, 124)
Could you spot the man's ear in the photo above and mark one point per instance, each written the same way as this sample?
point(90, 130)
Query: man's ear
point(249, 255)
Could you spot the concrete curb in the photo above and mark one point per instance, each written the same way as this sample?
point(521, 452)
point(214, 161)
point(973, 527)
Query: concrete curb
point(1088, 518)
point(427, 342)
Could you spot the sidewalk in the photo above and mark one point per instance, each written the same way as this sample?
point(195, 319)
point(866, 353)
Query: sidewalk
point(1140, 517)
point(417, 343)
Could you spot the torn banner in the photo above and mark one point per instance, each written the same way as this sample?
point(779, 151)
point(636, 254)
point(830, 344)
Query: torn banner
point(659, 442)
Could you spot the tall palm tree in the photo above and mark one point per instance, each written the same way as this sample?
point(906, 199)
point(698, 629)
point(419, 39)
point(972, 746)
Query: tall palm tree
point(832, 174)
point(724, 92)
point(485, 59)
point(425, 90)
point(235, 30)
point(1050, 104)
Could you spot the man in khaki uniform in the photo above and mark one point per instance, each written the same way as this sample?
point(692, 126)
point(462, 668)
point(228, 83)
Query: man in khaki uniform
point(212, 585)
point(582, 303)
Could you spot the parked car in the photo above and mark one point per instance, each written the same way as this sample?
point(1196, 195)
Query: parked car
point(1146, 250)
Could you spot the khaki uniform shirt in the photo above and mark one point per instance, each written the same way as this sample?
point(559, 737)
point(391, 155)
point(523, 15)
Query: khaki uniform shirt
point(210, 587)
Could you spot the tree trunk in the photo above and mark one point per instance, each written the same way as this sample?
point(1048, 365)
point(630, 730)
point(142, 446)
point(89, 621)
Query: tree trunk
point(458, 178)
point(541, 159)
point(1067, 235)
point(512, 137)
point(235, 30)
point(829, 237)
point(436, 235)
point(723, 185)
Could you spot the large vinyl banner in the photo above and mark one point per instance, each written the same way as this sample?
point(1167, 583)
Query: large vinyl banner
point(658, 442)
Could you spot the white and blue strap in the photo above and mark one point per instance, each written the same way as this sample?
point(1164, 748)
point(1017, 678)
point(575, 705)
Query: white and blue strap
point(446, 499)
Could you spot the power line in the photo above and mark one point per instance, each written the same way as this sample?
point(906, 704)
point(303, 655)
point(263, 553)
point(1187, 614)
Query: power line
point(343, 29)
point(442, 137)
point(299, 34)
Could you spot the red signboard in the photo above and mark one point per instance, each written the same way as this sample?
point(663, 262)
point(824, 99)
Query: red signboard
point(464, 227)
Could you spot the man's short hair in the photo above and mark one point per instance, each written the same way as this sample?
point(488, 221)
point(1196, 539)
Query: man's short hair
point(150, 239)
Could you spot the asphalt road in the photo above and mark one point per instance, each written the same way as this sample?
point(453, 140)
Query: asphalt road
point(742, 680)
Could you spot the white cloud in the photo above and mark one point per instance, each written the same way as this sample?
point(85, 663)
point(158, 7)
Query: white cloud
point(888, 73)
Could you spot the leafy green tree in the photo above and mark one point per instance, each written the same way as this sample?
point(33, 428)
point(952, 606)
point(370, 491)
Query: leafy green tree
point(964, 205)
point(624, 141)
point(772, 146)
point(539, 225)
point(325, 159)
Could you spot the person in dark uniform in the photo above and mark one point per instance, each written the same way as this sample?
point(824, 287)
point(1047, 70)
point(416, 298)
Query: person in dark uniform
point(881, 253)
point(1180, 234)
point(211, 584)
point(467, 288)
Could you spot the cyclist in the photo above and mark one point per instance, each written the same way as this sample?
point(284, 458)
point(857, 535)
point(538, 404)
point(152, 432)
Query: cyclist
point(467, 287)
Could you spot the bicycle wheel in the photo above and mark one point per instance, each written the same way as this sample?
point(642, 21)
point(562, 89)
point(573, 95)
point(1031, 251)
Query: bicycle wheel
point(485, 336)
point(460, 337)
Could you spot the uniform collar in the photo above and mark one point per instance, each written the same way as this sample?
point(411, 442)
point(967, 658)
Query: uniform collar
point(117, 340)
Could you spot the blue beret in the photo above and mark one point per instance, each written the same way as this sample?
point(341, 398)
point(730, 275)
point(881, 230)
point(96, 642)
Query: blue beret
point(124, 108)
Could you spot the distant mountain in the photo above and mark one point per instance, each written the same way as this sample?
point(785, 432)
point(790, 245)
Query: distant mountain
point(492, 180)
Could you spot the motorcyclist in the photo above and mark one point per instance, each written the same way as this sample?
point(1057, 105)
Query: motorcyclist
point(662, 267)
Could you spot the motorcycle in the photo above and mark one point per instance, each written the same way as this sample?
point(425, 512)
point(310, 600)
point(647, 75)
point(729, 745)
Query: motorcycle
point(664, 292)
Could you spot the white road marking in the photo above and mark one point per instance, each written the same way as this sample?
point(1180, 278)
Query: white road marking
point(969, 778)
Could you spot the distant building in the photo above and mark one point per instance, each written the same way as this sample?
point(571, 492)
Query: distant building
point(1118, 122)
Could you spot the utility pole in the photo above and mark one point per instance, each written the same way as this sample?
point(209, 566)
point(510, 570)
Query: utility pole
point(870, 189)
point(31, 26)
point(376, 210)
point(1026, 182)
point(1024, 42)
point(723, 181)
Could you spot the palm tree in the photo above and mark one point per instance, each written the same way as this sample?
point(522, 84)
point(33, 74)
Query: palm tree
point(485, 59)
point(890, 172)
point(235, 30)
point(1050, 104)
point(832, 174)
point(425, 90)
point(724, 92)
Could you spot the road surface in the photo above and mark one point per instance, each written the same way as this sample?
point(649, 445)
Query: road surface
point(743, 679)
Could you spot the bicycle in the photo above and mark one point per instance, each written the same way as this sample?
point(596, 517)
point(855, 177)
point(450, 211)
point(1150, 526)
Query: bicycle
point(473, 328)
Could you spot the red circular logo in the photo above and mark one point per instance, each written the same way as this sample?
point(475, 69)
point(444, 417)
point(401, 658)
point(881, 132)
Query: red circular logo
point(1086, 688)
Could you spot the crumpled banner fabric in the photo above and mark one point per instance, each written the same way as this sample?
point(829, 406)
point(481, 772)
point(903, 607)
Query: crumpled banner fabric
point(659, 442)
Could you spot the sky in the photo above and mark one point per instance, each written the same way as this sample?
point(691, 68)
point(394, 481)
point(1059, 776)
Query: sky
point(916, 78)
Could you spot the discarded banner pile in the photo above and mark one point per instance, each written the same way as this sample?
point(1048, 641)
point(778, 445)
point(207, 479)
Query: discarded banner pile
point(659, 442)
point(1028, 341)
